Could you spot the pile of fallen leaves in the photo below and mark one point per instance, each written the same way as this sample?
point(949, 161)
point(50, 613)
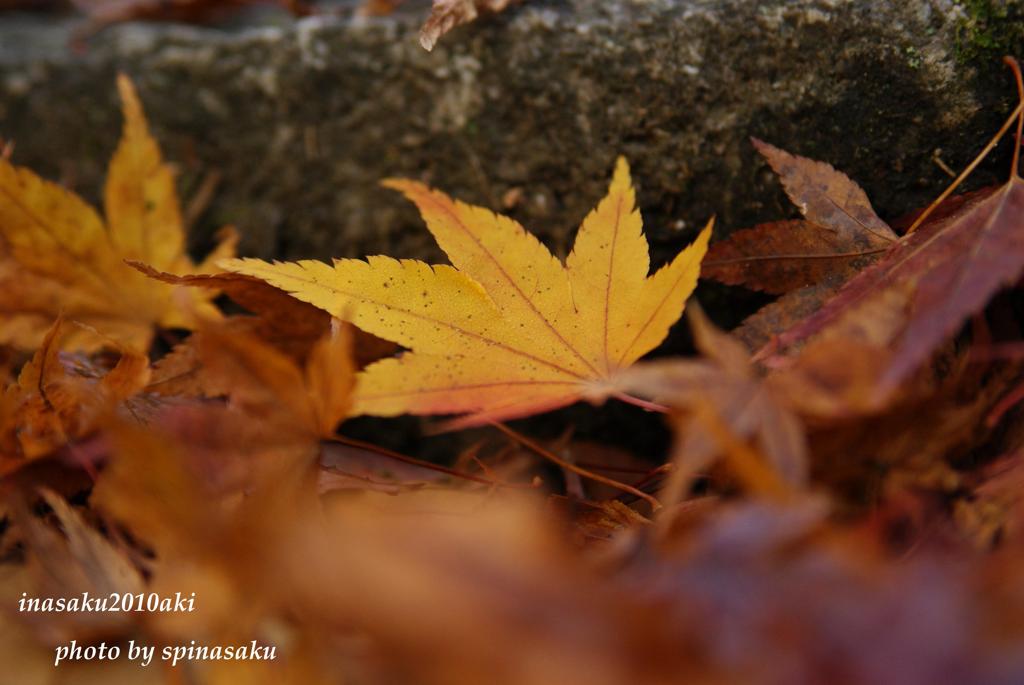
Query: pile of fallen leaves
point(842, 502)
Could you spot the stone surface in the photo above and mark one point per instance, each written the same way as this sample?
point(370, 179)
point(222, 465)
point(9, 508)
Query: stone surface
point(523, 112)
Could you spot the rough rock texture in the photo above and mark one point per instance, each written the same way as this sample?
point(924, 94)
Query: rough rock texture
point(523, 112)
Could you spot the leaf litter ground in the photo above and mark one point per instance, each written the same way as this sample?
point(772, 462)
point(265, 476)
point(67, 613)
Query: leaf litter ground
point(842, 502)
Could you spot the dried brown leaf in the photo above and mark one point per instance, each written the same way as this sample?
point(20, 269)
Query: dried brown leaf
point(288, 323)
point(59, 398)
point(838, 237)
point(447, 14)
point(828, 198)
point(722, 393)
point(930, 282)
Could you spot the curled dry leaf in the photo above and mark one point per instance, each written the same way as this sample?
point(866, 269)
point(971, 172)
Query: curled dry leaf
point(447, 14)
point(510, 331)
point(59, 398)
point(57, 255)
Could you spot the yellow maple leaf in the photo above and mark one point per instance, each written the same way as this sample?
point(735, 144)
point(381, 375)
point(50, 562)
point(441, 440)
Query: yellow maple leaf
point(57, 254)
point(509, 331)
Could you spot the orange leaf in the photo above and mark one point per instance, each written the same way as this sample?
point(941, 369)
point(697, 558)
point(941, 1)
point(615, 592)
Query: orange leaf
point(58, 399)
point(269, 386)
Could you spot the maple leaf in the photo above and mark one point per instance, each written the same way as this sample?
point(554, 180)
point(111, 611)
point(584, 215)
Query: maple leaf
point(291, 326)
point(268, 384)
point(509, 331)
point(722, 395)
point(804, 260)
point(796, 305)
point(839, 236)
point(57, 255)
point(922, 290)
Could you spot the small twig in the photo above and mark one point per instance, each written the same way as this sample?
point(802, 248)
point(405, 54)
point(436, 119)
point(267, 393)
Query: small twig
point(1015, 67)
point(643, 404)
point(487, 470)
point(1008, 402)
point(383, 451)
point(201, 199)
point(569, 466)
point(936, 157)
point(653, 474)
point(1015, 116)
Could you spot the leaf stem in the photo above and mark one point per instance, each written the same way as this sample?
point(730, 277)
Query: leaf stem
point(861, 223)
point(812, 255)
point(643, 404)
point(619, 469)
point(569, 466)
point(654, 474)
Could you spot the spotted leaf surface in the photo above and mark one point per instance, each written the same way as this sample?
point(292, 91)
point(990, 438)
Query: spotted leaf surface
point(507, 330)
